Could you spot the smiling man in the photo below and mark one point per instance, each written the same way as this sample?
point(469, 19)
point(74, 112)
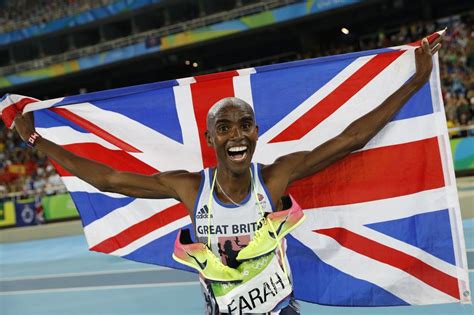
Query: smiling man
point(232, 131)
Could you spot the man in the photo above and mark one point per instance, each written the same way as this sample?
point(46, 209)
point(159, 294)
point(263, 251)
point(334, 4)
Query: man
point(233, 132)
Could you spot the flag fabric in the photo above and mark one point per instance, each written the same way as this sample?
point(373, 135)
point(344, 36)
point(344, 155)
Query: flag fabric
point(382, 226)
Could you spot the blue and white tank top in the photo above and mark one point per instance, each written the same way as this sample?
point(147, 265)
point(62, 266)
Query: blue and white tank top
point(230, 227)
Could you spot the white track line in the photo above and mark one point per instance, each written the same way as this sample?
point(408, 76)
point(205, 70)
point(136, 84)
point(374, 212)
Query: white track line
point(96, 288)
point(82, 274)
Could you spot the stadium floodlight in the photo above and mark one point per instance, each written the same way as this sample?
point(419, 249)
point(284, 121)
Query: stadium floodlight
point(344, 30)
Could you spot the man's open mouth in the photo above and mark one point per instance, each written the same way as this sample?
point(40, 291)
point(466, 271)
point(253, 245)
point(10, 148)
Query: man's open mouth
point(237, 153)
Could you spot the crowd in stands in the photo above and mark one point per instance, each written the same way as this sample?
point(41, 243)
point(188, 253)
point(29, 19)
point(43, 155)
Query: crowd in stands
point(17, 14)
point(456, 70)
point(24, 170)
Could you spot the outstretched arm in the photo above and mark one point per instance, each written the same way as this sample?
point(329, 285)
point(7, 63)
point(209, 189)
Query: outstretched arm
point(301, 164)
point(105, 178)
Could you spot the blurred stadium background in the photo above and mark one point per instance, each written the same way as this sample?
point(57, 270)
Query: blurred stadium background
point(54, 48)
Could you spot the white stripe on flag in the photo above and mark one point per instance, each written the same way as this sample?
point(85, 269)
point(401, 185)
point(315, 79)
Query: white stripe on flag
point(378, 210)
point(315, 98)
point(407, 130)
point(186, 81)
point(41, 105)
point(184, 107)
point(65, 135)
point(243, 86)
point(369, 97)
point(152, 236)
point(452, 270)
point(145, 139)
point(393, 280)
point(448, 169)
point(75, 184)
point(123, 218)
point(396, 132)
point(361, 103)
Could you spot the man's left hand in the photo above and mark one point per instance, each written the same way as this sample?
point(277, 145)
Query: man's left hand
point(423, 58)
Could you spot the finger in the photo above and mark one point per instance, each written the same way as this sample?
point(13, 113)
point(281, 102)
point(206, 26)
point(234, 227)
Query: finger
point(425, 45)
point(418, 50)
point(435, 49)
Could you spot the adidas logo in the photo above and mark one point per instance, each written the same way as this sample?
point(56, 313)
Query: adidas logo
point(203, 213)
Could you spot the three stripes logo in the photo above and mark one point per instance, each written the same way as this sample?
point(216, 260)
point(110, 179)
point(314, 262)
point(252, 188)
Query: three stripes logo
point(203, 213)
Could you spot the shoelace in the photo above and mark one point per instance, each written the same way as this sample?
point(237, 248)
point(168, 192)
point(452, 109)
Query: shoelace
point(216, 261)
point(258, 234)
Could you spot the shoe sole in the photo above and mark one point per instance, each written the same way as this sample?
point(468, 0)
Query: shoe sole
point(279, 238)
point(212, 279)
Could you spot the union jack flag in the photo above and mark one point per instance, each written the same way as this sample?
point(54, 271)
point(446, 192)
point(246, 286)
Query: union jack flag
point(383, 225)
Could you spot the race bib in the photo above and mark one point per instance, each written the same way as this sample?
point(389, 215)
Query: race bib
point(263, 287)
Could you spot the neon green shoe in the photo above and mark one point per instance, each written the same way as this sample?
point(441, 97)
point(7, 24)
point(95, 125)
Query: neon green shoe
point(201, 258)
point(275, 227)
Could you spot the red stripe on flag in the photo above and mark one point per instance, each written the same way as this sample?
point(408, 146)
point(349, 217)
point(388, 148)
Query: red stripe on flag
point(337, 98)
point(117, 159)
point(89, 126)
point(216, 76)
point(206, 92)
point(431, 39)
point(141, 229)
point(395, 258)
point(9, 113)
point(23, 102)
point(374, 174)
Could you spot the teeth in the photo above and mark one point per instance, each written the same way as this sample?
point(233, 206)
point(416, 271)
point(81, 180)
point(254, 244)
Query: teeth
point(237, 149)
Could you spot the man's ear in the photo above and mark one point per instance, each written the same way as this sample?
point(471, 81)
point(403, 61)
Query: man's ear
point(256, 127)
point(209, 140)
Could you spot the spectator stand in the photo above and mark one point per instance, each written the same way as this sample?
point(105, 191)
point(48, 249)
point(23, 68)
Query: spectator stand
point(31, 192)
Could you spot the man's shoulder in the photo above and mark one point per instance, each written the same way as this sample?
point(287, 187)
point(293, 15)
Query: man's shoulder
point(185, 184)
point(284, 164)
point(276, 176)
point(275, 170)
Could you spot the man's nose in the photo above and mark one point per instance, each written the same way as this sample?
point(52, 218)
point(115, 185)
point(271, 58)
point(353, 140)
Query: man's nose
point(236, 132)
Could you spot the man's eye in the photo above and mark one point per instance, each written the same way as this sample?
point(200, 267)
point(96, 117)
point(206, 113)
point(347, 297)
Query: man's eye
point(246, 126)
point(223, 128)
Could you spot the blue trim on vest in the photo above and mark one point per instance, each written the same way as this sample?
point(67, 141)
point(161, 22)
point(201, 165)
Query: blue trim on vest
point(198, 196)
point(259, 167)
point(230, 206)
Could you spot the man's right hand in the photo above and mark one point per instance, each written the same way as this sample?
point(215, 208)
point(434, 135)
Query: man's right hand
point(24, 125)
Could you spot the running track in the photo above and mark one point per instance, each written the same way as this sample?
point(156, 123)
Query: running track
point(60, 276)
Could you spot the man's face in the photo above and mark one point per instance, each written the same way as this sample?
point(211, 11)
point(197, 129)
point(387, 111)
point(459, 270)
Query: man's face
point(233, 134)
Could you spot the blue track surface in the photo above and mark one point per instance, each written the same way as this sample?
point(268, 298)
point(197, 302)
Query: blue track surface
point(60, 276)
